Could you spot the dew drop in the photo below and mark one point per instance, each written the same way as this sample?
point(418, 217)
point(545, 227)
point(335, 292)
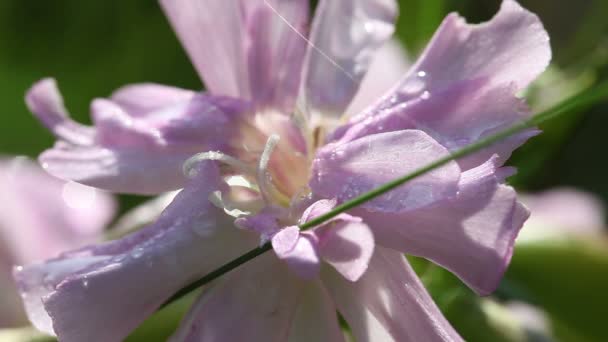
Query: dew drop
point(413, 86)
point(426, 95)
point(137, 253)
point(421, 74)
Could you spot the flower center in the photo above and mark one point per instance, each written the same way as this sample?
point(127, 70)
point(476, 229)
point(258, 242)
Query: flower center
point(269, 166)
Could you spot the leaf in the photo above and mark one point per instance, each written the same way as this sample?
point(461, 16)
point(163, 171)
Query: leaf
point(569, 280)
point(420, 19)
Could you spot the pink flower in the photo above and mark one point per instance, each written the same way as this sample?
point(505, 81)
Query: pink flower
point(277, 153)
point(41, 217)
point(562, 213)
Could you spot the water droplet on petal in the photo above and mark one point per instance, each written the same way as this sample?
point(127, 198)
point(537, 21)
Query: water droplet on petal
point(421, 74)
point(426, 95)
point(137, 253)
point(413, 86)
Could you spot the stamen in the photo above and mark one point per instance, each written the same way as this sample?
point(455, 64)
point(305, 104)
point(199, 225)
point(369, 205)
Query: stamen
point(234, 208)
point(189, 167)
point(264, 180)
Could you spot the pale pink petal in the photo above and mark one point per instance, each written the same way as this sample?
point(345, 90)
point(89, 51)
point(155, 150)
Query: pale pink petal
point(303, 257)
point(388, 66)
point(348, 246)
point(512, 48)
point(389, 303)
point(251, 53)
point(317, 209)
point(464, 86)
point(316, 318)
point(276, 51)
point(456, 116)
point(348, 170)
point(139, 99)
point(137, 152)
point(345, 36)
point(43, 216)
point(255, 302)
point(101, 293)
point(183, 126)
point(119, 171)
point(215, 46)
point(285, 241)
point(471, 235)
point(562, 212)
point(44, 100)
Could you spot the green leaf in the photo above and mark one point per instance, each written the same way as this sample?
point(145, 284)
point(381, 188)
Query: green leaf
point(569, 280)
point(161, 325)
point(420, 19)
point(475, 318)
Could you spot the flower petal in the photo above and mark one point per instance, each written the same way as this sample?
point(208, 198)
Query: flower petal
point(43, 216)
point(456, 116)
point(512, 48)
point(261, 297)
point(251, 53)
point(471, 235)
point(285, 240)
point(303, 257)
point(315, 318)
point(44, 100)
point(347, 245)
point(560, 213)
point(277, 50)
point(345, 36)
point(389, 303)
point(348, 170)
point(118, 284)
point(464, 85)
point(143, 152)
point(215, 46)
point(139, 99)
point(388, 66)
point(119, 171)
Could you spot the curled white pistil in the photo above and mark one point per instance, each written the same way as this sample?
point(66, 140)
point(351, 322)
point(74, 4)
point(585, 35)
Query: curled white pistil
point(263, 176)
point(189, 167)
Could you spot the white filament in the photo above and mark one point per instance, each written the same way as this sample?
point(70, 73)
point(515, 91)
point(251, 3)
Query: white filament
point(189, 167)
point(264, 180)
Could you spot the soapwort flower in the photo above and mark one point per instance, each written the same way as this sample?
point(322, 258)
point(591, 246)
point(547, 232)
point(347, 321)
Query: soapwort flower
point(282, 137)
point(41, 217)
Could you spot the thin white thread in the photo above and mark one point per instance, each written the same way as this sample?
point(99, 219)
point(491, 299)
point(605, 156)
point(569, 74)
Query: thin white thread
point(323, 54)
point(263, 176)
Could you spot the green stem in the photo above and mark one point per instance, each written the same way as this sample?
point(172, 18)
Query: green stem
point(577, 102)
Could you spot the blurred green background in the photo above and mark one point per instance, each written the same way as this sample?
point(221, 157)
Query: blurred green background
point(93, 47)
